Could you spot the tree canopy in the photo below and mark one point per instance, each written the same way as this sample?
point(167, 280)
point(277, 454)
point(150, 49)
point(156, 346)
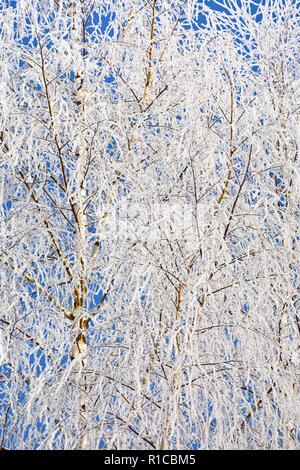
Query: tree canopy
point(149, 259)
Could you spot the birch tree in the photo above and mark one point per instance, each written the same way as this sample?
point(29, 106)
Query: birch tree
point(149, 254)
